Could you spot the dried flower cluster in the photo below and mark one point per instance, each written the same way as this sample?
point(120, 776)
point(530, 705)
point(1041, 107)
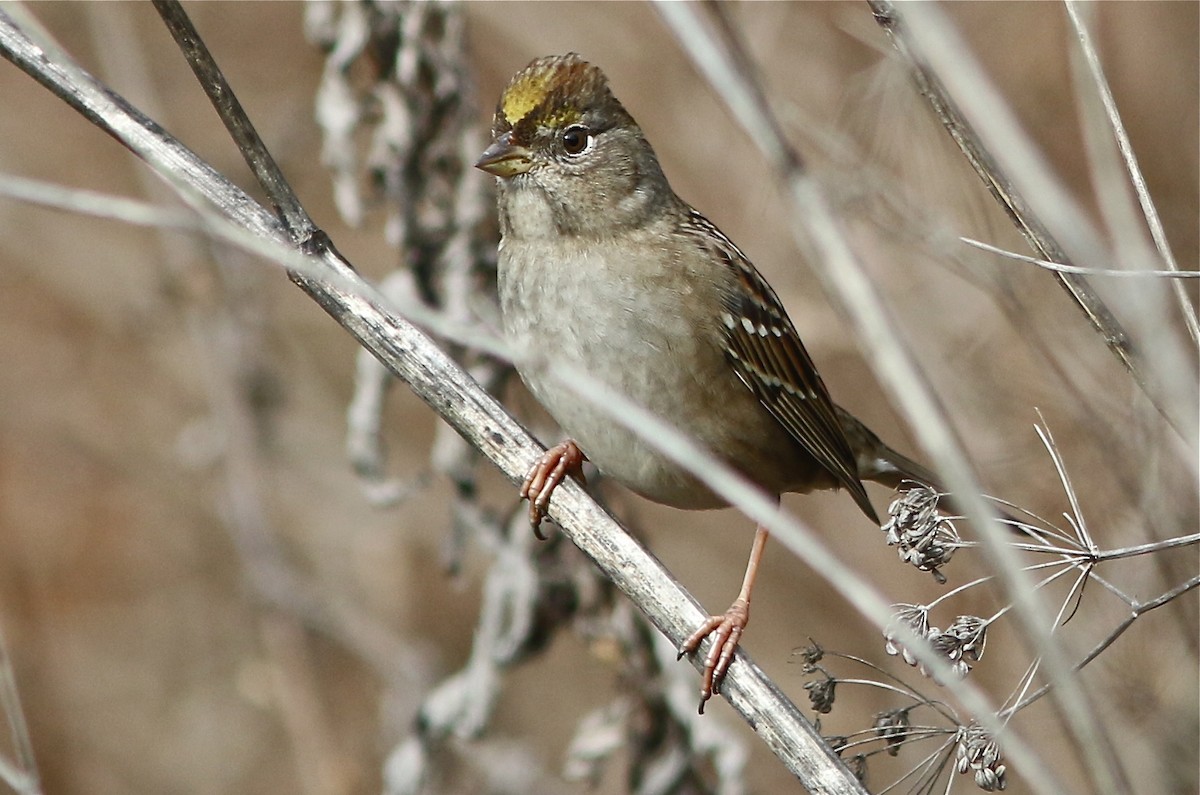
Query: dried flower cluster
point(810, 655)
point(961, 644)
point(892, 727)
point(396, 109)
point(916, 618)
point(925, 538)
point(965, 747)
point(977, 751)
point(821, 693)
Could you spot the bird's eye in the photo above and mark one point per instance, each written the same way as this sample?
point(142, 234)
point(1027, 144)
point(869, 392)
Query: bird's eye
point(575, 139)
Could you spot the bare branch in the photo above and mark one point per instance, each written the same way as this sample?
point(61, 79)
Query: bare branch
point(716, 51)
point(23, 775)
point(1060, 268)
point(1096, 73)
point(434, 377)
point(997, 181)
point(1018, 177)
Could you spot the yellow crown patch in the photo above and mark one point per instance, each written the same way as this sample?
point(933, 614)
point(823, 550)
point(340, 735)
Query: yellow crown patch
point(530, 89)
point(525, 93)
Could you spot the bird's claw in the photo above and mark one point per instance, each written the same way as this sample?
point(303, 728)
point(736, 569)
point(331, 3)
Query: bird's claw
point(727, 632)
point(564, 458)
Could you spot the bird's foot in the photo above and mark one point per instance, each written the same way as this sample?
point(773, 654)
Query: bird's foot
point(726, 631)
point(564, 458)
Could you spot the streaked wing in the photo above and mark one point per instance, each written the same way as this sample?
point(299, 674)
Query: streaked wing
point(768, 356)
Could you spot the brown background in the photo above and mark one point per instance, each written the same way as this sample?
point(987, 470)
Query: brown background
point(143, 663)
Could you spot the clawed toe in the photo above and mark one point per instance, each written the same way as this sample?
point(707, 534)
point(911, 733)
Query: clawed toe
point(727, 632)
point(565, 458)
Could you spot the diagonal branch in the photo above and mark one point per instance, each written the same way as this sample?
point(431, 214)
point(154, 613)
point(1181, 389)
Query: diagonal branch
point(1018, 206)
point(1000, 185)
point(22, 773)
point(1125, 147)
point(714, 47)
point(441, 383)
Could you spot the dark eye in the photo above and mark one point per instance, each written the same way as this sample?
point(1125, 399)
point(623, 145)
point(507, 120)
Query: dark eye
point(575, 139)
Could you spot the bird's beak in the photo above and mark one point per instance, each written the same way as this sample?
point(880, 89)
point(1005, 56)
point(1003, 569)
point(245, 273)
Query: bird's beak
point(504, 158)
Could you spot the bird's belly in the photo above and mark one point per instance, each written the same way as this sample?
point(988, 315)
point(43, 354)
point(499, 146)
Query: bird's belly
point(669, 367)
point(621, 453)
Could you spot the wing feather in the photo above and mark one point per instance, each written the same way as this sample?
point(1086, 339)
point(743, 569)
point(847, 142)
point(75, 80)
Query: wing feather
point(765, 350)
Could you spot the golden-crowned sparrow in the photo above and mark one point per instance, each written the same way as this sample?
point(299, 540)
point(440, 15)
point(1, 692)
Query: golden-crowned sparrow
point(603, 268)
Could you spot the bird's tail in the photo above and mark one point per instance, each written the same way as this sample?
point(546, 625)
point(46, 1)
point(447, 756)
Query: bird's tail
point(879, 463)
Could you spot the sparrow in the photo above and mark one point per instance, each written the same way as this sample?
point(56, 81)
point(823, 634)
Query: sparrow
point(602, 267)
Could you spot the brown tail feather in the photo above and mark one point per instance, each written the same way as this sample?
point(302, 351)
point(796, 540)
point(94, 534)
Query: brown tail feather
point(876, 461)
point(881, 464)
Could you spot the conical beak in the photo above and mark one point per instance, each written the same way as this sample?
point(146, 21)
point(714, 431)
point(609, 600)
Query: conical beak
point(504, 158)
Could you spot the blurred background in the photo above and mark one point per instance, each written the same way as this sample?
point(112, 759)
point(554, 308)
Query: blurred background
point(157, 395)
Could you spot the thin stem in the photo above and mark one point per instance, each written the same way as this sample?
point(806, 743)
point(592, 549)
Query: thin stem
point(930, 768)
point(1059, 267)
point(1024, 683)
point(442, 383)
point(287, 205)
point(912, 732)
point(1043, 432)
point(959, 589)
point(1067, 568)
point(884, 686)
point(1149, 548)
point(1138, 610)
point(1113, 589)
point(1125, 147)
point(983, 160)
point(1048, 529)
point(1077, 586)
point(938, 706)
point(1072, 553)
point(23, 777)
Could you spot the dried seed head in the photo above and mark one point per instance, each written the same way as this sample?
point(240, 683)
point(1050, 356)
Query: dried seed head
point(892, 726)
point(837, 742)
point(924, 537)
point(978, 752)
point(916, 618)
point(858, 766)
point(811, 655)
point(961, 644)
point(971, 633)
point(821, 693)
point(945, 645)
point(914, 506)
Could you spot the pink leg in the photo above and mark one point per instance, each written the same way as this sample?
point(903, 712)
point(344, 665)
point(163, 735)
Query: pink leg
point(727, 629)
point(564, 458)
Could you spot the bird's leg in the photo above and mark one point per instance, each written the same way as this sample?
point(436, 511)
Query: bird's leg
point(727, 629)
point(564, 458)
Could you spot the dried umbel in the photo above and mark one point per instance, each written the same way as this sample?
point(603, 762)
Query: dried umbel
point(925, 538)
point(810, 655)
point(916, 618)
point(821, 693)
point(892, 726)
point(961, 644)
point(978, 752)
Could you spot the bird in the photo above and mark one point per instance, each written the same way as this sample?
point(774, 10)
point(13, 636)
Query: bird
point(603, 268)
